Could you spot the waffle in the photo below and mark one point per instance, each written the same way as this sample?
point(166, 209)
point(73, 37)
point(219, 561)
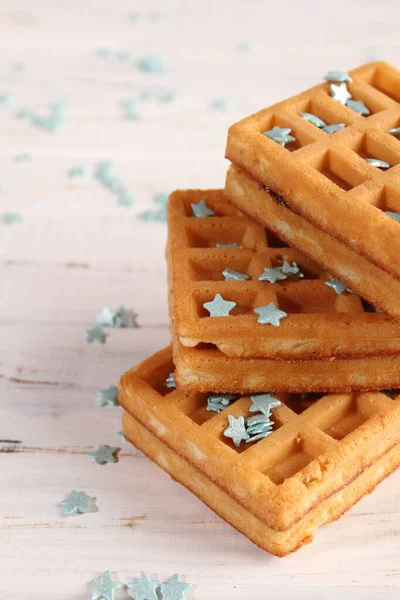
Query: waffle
point(324, 454)
point(320, 323)
point(206, 369)
point(363, 277)
point(325, 178)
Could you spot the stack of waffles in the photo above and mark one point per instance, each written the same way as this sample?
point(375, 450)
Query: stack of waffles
point(276, 402)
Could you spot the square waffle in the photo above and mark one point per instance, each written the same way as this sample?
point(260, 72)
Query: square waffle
point(324, 454)
point(320, 323)
point(325, 178)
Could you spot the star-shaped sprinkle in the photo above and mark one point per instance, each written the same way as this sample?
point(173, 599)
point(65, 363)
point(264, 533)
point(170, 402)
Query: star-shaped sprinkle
point(337, 285)
point(380, 164)
point(232, 275)
point(125, 319)
point(9, 218)
point(358, 106)
point(95, 335)
point(264, 403)
point(170, 381)
point(105, 317)
point(270, 314)
point(280, 135)
point(219, 307)
point(108, 396)
point(174, 589)
point(104, 587)
point(290, 269)
point(78, 172)
point(340, 92)
point(218, 402)
point(233, 245)
point(104, 454)
point(393, 215)
point(313, 119)
point(338, 76)
point(120, 434)
point(395, 131)
point(76, 503)
point(144, 589)
point(201, 209)
point(236, 430)
point(272, 274)
point(329, 129)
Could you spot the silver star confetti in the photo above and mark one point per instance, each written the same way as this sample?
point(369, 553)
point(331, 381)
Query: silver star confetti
point(340, 92)
point(76, 503)
point(122, 318)
point(329, 129)
point(313, 119)
point(174, 589)
point(170, 381)
point(338, 76)
point(393, 215)
point(104, 454)
point(380, 164)
point(290, 269)
point(144, 589)
point(95, 335)
point(337, 285)
point(233, 245)
point(264, 403)
point(232, 275)
point(104, 587)
point(108, 396)
point(218, 402)
point(272, 274)
point(270, 314)
point(219, 307)
point(105, 317)
point(280, 135)
point(236, 430)
point(201, 209)
point(258, 427)
point(395, 131)
point(358, 106)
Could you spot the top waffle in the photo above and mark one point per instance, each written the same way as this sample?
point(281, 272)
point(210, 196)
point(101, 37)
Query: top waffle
point(325, 177)
point(319, 324)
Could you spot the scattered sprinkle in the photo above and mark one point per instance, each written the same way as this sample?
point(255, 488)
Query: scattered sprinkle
point(121, 318)
point(375, 162)
point(104, 454)
point(290, 269)
point(167, 97)
point(340, 92)
point(264, 403)
point(244, 47)
point(338, 286)
point(78, 172)
point(95, 335)
point(218, 402)
point(151, 64)
point(6, 98)
point(104, 175)
point(104, 52)
point(104, 587)
point(25, 157)
point(51, 122)
point(219, 104)
point(313, 119)
point(76, 503)
point(338, 76)
point(158, 214)
point(358, 106)
point(174, 589)
point(123, 55)
point(120, 434)
point(108, 396)
point(329, 129)
point(19, 67)
point(130, 108)
point(236, 430)
point(144, 589)
point(9, 218)
point(201, 209)
point(395, 131)
point(219, 307)
point(233, 245)
point(270, 314)
point(232, 275)
point(393, 215)
point(272, 274)
point(280, 135)
point(170, 380)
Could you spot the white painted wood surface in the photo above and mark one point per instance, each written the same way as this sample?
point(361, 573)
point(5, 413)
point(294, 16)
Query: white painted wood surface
point(77, 250)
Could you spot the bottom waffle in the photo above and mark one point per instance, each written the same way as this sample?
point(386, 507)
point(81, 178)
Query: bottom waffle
point(275, 542)
point(319, 445)
point(207, 369)
point(369, 281)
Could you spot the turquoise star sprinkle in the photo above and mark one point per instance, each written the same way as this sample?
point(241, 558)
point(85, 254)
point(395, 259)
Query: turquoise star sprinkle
point(313, 119)
point(280, 135)
point(358, 106)
point(95, 335)
point(174, 589)
point(108, 396)
point(340, 92)
point(120, 434)
point(201, 209)
point(338, 76)
point(24, 157)
point(76, 503)
point(151, 64)
point(218, 402)
point(290, 269)
point(104, 454)
point(233, 245)
point(393, 215)
point(130, 108)
point(159, 214)
point(6, 98)
point(219, 307)
point(51, 122)
point(105, 175)
point(380, 164)
point(9, 218)
point(337, 285)
point(104, 587)
point(236, 430)
point(395, 131)
point(78, 172)
point(272, 274)
point(232, 275)
point(170, 381)
point(122, 318)
point(270, 314)
point(263, 403)
point(106, 317)
point(329, 129)
point(144, 589)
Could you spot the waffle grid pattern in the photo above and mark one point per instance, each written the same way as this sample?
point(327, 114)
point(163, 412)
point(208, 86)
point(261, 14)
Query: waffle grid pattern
point(320, 323)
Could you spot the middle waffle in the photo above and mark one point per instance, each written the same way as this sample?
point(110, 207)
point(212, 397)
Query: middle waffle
point(320, 323)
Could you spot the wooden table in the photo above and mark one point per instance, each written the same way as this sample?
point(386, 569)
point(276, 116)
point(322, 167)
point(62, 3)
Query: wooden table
point(77, 250)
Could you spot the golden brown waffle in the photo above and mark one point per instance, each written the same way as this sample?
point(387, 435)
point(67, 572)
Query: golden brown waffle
point(324, 454)
point(320, 323)
point(364, 278)
point(325, 178)
point(206, 369)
